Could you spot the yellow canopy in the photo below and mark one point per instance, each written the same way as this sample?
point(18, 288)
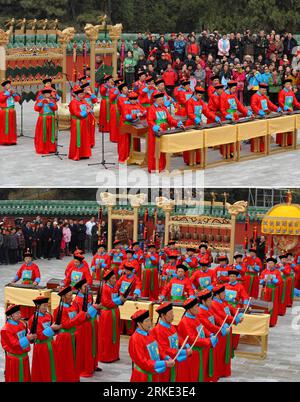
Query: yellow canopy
point(282, 219)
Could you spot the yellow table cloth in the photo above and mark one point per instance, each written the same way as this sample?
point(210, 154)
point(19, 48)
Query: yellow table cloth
point(220, 135)
point(23, 296)
point(253, 324)
point(253, 129)
point(180, 142)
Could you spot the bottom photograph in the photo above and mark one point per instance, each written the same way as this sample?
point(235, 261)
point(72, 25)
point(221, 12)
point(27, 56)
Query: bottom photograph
point(149, 285)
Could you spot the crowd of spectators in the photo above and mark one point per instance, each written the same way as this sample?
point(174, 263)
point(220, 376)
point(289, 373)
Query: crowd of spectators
point(248, 58)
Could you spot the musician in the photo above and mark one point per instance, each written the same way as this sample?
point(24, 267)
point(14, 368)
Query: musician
point(141, 82)
point(137, 270)
point(215, 81)
point(229, 107)
point(179, 286)
point(201, 359)
point(285, 270)
point(170, 249)
point(222, 269)
point(289, 275)
point(16, 343)
point(144, 351)
point(261, 106)
point(45, 130)
point(184, 93)
point(91, 99)
point(204, 278)
point(104, 116)
point(48, 84)
point(77, 271)
point(8, 128)
point(87, 333)
point(127, 277)
point(132, 113)
point(169, 270)
point(160, 86)
point(65, 341)
point(145, 92)
point(190, 260)
point(80, 140)
point(150, 286)
point(109, 320)
point(205, 253)
point(138, 256)
point(169, 343)
point(288, 102)
point(44, 354)
point(101, 261)
point(235, 291)
point(253, 269)
point(114, 119)
point(159, 119)
point(195, 108)
point(214, 101)
point(117, 255)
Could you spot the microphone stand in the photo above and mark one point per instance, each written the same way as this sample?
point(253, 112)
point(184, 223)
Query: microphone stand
point(103, 161)
point(56, 153)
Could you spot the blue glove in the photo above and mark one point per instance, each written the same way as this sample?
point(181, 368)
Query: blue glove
point(163, 277)
point(120, 272)
point(179, 124)
point(286, 108)
point(214, 341)
point(188, 259)
point(238, 267)
point(279, 110)
point(297, 292)
point(293, 265)
point(256, 267)
point(249, 113)
point(217, 119)
point(167, 103)
point(261, 113)
point(197, 120)
point(229, 117)
point(261, 282)
point(156, 128)
point(135, 256)
point(223, 331)
point(238, 318)
point(210, 288)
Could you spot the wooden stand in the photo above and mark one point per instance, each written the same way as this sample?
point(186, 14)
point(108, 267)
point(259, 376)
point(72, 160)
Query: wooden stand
point(139, 131)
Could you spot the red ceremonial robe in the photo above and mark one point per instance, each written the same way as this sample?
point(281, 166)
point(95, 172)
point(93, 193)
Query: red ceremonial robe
point(236, 294)
point(287, 101)
point(214, 106)
point(260, 102)
point(297, 271)
point(287, 288)
point(86, 340)
point(134, 262)
point(80, 141)
point(109, 325)
point(150, 276)
point(91, 100)
point(221, 272)
point(251, 278)
point(8, 126)
point(16, 346)
point(104, 115)
point(76, 274)
point(169, 344)
point(192, 262)
point(72, 266)
point(99, 264)
point(178, 289)
point(45, 130)
point(158, 117)
point(271, 291)
point(113, 94)
point(168, 272)
point(28, 273)
point(44, 354)
point(183, 96)
point(116, 257)
point(200, 363)
point(204, 279)
point(194, 109)
point(146, 357)
point(65, 343)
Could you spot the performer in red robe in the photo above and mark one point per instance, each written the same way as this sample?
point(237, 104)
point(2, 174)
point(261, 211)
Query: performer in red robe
point(16, 344)
point(132, 112)
point(190, 260)
point(297, 271)
point(91, 99)
point(205, 253)
point(169, 343)
point(113, 95)
point(48, 84)
point(240, 266)
point(160, 86)
point(29, 274)
point(292, 275)
point(170, 249)
point(141, 82)
point(285, 294)
point(138, 256)
point(109, 320)
point(215, 80)
point(179, 288)
point(8, 126)
point(235, 292)
point(117, 255)
point(204, 278)
point(184, 93)
point(146, 91)
point(131, 261)
point(221, 270)
point(195, 108)
point(44, 354)
point(150, 274)
point(169, 270)
point(230, 106)
point(147, 359)
point(104, 115)
point(100, 262)
point(214, 101)
point(288, 102)
point(86, 334)
point(261, 105)
point(65, 342)
point(253, 269)
point(271, 280)
point(80, 141)
point(45, 130)
point(78, 271)
point(201, 359)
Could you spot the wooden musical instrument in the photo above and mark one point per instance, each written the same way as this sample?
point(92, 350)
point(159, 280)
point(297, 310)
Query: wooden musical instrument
point(137, 130)
point(21, 286)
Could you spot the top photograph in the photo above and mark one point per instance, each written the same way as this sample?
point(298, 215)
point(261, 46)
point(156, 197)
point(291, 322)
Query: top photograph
point(146, 96)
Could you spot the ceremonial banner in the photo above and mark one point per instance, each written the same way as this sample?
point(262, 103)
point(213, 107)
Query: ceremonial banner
point(253, 324)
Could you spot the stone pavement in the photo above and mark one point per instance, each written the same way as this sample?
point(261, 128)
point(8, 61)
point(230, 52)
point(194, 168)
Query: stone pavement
point(21, 166)
point(282, 363)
